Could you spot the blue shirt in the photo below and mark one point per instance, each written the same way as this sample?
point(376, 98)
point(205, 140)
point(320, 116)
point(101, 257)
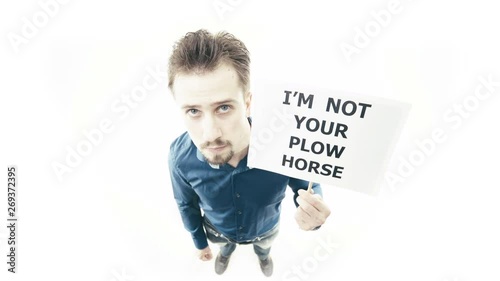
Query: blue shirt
point(241, 202)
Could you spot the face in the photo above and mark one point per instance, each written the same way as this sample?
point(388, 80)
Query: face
point(215, 110)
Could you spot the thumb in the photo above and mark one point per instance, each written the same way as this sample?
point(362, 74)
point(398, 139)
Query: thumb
point(208, 256)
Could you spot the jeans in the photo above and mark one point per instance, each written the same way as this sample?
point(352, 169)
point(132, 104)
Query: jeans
point(261, 244)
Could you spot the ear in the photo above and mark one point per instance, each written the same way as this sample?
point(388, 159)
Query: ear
point(248, 103)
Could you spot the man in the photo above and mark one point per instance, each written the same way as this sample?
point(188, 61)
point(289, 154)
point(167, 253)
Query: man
point(218, 195)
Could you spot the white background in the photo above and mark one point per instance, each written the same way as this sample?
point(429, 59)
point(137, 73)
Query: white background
point(114, 218)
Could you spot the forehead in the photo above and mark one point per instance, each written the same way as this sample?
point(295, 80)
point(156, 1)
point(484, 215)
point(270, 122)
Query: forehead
point(207, 88)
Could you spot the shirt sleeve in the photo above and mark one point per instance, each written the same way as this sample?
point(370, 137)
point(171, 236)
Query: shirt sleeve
point(296, 184)
point(188, 204)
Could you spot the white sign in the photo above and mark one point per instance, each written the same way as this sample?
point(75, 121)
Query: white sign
point(324, 136)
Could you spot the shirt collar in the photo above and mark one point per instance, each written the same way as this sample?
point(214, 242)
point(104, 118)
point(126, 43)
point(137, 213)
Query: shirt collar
point(202, 159)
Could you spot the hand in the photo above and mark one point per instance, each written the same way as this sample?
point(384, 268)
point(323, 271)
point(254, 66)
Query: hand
point(205, 254)
point(312, 211)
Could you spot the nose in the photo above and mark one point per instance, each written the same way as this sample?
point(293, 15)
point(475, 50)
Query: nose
point(211, 129)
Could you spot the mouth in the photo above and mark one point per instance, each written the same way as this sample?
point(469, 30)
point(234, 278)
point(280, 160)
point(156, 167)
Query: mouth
point(216, 149)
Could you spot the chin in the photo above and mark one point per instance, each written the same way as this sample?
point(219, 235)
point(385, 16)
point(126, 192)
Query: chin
point(219, 159)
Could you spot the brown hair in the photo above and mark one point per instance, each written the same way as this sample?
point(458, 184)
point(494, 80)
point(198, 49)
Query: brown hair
point(200, 52)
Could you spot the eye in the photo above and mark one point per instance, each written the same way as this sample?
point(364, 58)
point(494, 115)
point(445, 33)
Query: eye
point(224, 108)
point(193, 112)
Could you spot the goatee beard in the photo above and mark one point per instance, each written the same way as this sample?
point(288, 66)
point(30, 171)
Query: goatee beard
point(218, 159)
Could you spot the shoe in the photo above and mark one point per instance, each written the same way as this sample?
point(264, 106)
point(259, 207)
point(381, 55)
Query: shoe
point(266, 266)
point(221, 263)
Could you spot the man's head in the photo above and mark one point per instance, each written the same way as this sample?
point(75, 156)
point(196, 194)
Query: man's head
point(209, 78)
point(201, 52)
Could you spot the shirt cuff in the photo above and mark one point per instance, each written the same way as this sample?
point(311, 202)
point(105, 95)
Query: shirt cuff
point(200, 243)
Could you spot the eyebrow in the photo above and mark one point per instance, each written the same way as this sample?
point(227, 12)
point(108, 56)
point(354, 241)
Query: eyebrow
point(215, 104)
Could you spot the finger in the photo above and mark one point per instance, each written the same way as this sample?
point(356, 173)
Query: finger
point(313, 218)
point(313, 200)
point(310, 195)
point(301, 214)
point(302, 201)
point(304, 225)
point(307, 208)
point(306, 212)
point(303, 217)
point(204, 256)
point(300, 220)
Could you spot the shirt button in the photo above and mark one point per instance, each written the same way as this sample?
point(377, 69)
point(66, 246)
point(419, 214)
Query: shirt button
point(237, 195)
point(241, 237)
point(239, 212)
point(241, 227)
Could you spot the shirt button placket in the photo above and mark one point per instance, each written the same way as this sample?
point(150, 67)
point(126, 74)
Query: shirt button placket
point(239, 219)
